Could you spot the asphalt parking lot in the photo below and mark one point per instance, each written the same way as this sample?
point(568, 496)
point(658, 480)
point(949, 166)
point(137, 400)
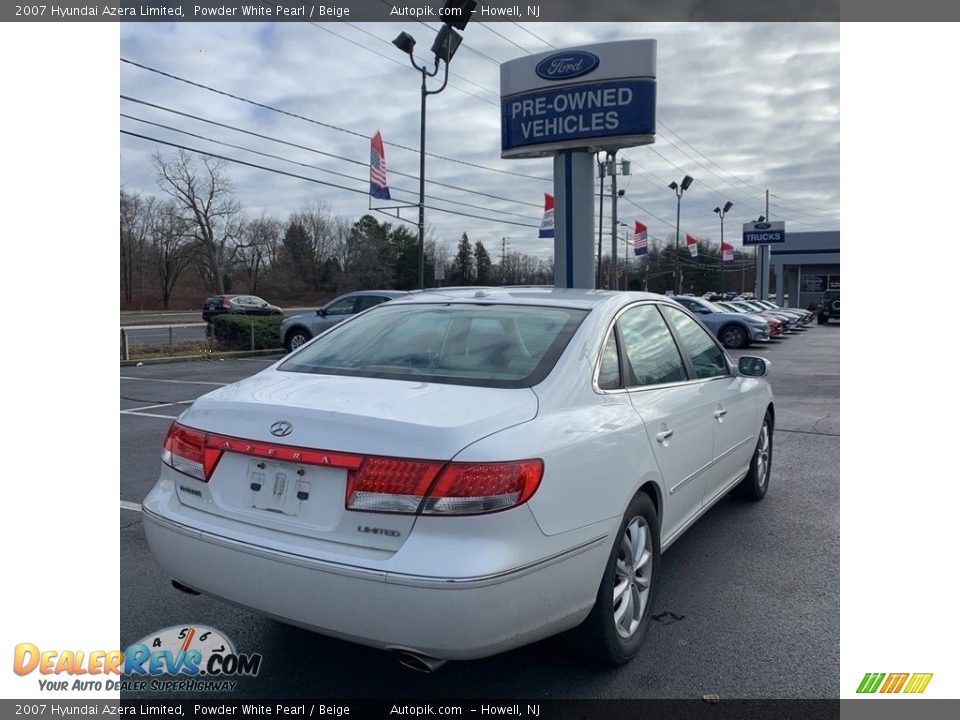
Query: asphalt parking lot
point(748, 606)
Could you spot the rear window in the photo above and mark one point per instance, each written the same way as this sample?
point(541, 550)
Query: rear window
point(503, 346)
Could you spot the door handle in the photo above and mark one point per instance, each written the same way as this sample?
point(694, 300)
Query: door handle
point(664, 435)
point(719, 413)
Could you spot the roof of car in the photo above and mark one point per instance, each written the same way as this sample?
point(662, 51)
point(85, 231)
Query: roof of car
point(529, 295)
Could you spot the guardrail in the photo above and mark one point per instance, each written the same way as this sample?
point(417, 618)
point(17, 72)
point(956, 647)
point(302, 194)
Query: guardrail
point(172, 340)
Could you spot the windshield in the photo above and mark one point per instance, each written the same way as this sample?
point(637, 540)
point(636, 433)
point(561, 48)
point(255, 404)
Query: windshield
point(504, 346)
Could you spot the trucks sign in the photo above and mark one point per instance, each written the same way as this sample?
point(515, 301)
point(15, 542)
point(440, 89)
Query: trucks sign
point(601, 97)
point(764, 233)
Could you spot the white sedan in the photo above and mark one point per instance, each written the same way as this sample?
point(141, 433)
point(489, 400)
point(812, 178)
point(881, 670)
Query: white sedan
point(462, 472)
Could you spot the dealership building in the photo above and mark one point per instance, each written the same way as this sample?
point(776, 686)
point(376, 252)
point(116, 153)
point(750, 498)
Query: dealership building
point(804, 266)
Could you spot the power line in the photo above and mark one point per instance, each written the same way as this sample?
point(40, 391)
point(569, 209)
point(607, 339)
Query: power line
point(319, 152)
point(325, 124)
point(532, 34)
point(500, 35)
point(313, 167)
point(308, 179)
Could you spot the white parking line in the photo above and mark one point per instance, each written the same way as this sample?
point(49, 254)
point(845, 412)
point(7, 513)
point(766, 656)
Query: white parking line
point(154, 407)
point(127, 505)
point(183, 382)
point(152, 415)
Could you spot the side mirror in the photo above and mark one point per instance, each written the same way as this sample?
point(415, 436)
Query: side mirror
point(321, 312)
point(753, 366)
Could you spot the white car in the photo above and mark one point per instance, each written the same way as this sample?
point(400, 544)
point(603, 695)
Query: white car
point(460, 473)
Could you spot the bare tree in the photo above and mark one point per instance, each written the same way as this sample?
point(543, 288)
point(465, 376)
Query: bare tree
point(258, 248)
point(204, 200)
point(170, 248)
point(135, 212)
point(322, 231)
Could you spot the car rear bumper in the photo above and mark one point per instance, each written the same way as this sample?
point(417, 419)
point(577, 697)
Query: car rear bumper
point(451, 618)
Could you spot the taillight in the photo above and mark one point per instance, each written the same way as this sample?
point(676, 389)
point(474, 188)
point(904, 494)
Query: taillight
point(468, 488)
point(390, 484)
point(188, 451)
point(409, 486)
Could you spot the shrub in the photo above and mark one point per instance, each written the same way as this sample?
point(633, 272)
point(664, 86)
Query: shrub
point(232, 332)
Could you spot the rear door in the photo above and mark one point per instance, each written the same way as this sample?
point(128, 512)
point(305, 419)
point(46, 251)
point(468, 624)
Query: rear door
point(677, 419)
point(732, 407)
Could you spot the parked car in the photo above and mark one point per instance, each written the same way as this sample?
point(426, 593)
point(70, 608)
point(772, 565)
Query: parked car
point(733, 329)
point(456, 474)
point(829, 307)
point(790, 320)
point(806, 317)
point(298, 329)
point(776, 325)
point(237, 305)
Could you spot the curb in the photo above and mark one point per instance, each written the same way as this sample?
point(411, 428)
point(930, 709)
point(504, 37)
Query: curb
point(207, 356)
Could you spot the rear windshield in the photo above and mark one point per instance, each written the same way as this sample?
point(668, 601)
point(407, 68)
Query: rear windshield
point(503, 346)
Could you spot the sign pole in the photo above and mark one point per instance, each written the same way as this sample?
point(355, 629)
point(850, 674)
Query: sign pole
point(573, 218)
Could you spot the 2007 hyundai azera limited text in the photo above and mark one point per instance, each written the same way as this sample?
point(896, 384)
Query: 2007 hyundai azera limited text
point(457, 473)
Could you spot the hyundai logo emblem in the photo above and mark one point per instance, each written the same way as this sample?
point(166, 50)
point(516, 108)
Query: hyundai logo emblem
point(281, 428)
point(566, 65)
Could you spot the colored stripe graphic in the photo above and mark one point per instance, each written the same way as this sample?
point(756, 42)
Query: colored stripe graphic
point(895, 682)
point(918, 682)
point(870, 682)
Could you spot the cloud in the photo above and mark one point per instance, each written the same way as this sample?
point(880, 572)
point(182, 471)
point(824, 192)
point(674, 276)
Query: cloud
point(744, 107)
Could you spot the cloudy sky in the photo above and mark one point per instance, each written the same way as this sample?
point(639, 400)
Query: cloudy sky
point(740, 107)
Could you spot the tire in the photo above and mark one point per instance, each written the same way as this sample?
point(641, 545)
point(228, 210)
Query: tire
point(754, 485)
point(296, 338)
point(823, 319)
point(734, 337)
point(609, 639)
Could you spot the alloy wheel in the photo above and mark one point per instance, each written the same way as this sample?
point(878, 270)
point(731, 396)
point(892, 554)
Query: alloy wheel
point(634, 571)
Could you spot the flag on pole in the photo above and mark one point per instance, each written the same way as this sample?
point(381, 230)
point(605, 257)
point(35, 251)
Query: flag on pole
point(692, 245)
point(727, 250)
point(378, 169)
point(546, 225)
point(639, 239)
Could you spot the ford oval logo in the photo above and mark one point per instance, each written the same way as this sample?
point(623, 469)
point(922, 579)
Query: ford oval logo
point(281, 429)
point(762, 226)
point(566, 65)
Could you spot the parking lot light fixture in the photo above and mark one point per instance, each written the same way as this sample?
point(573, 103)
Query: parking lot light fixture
point(722, 213)
point(444, 47)
point(679, 190)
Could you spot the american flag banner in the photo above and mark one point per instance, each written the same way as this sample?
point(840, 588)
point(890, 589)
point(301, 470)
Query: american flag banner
point(692, 245)
point(727, 250)
point(378, 169)
point(639, 238)
point(546, 225)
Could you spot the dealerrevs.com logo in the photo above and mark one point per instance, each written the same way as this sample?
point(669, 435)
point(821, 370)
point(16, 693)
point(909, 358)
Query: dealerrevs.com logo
point(909, 683)
point(180, 658)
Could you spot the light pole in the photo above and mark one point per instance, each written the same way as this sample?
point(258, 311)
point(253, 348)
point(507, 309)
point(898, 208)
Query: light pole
point(679, 190)
point(722, 213)
point(444, 47)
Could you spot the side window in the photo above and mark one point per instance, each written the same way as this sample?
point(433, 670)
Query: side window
point(344, 306)
point(651, 352)
point(707, 357)
point(365, 302)
point(609, 378)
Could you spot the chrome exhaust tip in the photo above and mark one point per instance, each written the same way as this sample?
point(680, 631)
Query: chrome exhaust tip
point(418, 662)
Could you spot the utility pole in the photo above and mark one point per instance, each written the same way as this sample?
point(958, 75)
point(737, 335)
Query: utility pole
point(614, 236)
point(503, 258)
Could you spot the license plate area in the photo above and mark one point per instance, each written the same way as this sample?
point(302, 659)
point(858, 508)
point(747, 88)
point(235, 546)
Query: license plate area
point(282, 488)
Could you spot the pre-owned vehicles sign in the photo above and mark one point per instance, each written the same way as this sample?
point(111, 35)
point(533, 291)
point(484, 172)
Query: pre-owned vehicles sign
point(599, 97)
